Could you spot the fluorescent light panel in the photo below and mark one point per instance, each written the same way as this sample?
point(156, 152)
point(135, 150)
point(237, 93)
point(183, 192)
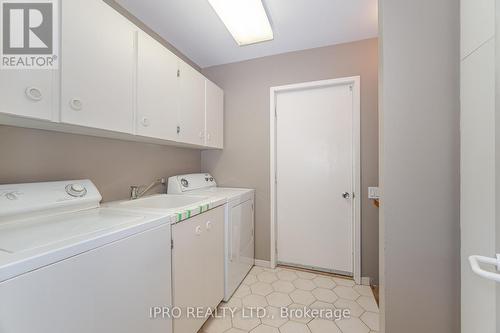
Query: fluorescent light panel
point(246, 20)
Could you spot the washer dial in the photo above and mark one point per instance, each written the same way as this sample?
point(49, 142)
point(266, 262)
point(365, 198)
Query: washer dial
point(76, 190)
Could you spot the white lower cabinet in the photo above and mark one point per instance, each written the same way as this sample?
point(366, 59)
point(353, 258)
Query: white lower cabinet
point(97, 66)
point(28, 93)
point(197, 266)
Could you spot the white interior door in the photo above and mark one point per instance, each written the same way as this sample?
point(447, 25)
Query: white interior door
point(479, 135)
point(314, 169)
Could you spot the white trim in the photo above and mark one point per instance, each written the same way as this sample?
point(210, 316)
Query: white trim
point(355, 81)
point(263, 263)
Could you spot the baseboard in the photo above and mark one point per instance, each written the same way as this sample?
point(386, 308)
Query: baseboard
point(262, 263)
point(366, 281)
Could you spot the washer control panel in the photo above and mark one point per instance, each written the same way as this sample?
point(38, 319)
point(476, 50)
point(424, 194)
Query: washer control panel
point(195, 181)
point(11, 195)
point(18, 199)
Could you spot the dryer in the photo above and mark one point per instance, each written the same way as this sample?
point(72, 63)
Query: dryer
point(239, 229)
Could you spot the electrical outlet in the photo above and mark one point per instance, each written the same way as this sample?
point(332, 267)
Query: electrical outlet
point(373, 193)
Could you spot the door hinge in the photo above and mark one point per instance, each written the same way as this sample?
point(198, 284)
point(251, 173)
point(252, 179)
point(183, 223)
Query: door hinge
point(178, 73)
point(275, 111)
point(350, 87)
point(171, 244)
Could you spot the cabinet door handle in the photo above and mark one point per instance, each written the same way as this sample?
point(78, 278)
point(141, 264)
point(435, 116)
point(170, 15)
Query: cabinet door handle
point(76, 104)
point(208, 136)
point(197, 230)
point(209, 225)
point(178, 129)
point(33, 93)
point(201, 134)
point(145, 121)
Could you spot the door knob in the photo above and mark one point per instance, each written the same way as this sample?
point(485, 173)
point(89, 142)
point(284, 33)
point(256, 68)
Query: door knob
point(346, 195)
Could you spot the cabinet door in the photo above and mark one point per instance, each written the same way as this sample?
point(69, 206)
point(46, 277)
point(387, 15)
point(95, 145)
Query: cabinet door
point(97, 78)
point(214, 253)
point(27, 93)
point(214, 115)
point(189, 278)
point(192, 105)
point(157, 90)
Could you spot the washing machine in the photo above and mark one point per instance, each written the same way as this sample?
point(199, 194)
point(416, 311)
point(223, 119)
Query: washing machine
point(69, 265)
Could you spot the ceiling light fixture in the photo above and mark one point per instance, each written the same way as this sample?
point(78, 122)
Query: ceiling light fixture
point(246, 20)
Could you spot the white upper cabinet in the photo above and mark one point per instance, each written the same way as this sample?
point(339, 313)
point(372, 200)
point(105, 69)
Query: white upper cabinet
point(28, 93)
point(157, 90)
point(98, 61)
point(192, 105)
point(116, 81)
point(214, 115)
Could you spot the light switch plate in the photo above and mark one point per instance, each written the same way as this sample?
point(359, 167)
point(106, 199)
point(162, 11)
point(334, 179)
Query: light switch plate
point(373, 193)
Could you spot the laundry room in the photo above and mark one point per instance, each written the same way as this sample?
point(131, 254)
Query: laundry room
point(232, 166)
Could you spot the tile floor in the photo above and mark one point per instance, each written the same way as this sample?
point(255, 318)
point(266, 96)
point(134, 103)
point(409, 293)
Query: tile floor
point(274, 289)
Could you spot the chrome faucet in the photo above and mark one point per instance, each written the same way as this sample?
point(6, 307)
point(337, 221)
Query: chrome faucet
point(136, 193)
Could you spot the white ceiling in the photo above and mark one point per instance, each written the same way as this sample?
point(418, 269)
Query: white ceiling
point(195, 30)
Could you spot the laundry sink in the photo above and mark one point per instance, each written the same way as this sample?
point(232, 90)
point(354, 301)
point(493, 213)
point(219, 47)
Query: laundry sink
point(163, 201)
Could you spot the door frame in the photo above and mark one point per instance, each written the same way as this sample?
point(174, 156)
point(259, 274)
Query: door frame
point(355, 82)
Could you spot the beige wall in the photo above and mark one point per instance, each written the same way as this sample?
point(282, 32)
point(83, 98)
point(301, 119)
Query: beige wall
point(245, 160)
point(29, 155)
point(420, 166)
